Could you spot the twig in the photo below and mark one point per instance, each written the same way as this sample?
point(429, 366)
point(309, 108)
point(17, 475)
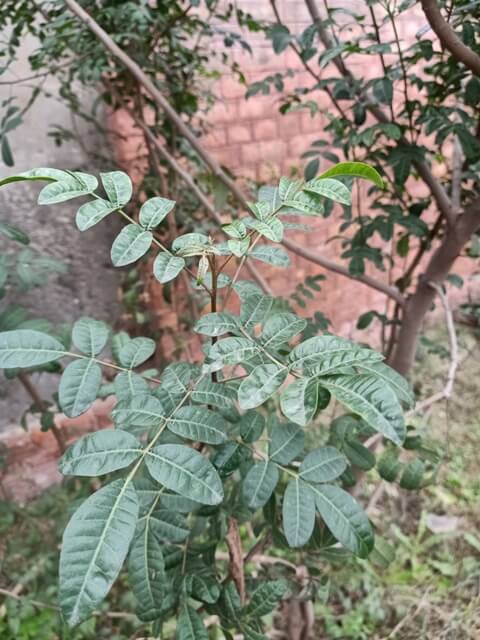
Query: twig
point(452, 369)
point(42, 406)
point(391, 292)
point(410, 615)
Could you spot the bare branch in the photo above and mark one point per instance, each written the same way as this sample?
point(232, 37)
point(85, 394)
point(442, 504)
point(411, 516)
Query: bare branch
point(391, 292)
point(446, 392)
point(449, 38)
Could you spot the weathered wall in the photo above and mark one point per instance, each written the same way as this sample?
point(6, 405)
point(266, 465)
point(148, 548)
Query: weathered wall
point(90, 285)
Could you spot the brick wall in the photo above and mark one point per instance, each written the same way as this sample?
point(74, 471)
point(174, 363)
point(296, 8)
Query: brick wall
point(256, 142)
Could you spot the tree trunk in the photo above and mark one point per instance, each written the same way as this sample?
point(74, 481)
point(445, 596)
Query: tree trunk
point(420, 302)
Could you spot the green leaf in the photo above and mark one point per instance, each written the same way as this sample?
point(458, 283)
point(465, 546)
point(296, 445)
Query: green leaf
point(190, 625)
point(383, 90)
point(323, 465)
point(239, 247)
point(286, 443)
point(13, 233)
point(276, 256)
point(371, 399)
point(6, 152)
point(265, 598)
point(345, 518)
point(186, 472)
point(129, 384)
point(310, 204)
point(252, 425)
point(75, 185)
point(154, 211)
point(131, 244)
point(260, 385)
point(280, 328)
point(260, 483)
point(412, 475)
point(397, 382)
point(214, 393)
point(288, 188)
point(118, 187)
point(177, 376)
point(233, 350)
point(217, 324)
point(358, 455)
point(235, 229)
point(167, 267)
point(92, 212)
point(199, 424)
point(301, 400)
point(204, 588)
point(136, 351)
point(323, 355)
point(271, 228)
point(298, 512)
point(99, 453)
point(89, 336)
point(139, 411)
point(389, 465)
point(42, 174)
point(79, 386)
point(330, 188)
point(105, 524)
point(190, 243)
point(254, 309)
point(169, 525)
point(146, 571)
point(356, 170)
point(28, 348)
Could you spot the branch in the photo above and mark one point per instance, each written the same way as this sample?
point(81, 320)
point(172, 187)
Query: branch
point(438, 192)
point(446, 392)
point(42, 407)
point(172, 115)
point(449, 38)
point(391, 292)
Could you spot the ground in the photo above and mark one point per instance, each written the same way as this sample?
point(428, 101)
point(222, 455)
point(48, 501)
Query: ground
point(430, 590)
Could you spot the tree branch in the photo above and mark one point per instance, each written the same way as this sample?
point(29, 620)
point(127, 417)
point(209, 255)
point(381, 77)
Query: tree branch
point(449, 38)
point(172, 115)
point(438, 192)
point(391, 292)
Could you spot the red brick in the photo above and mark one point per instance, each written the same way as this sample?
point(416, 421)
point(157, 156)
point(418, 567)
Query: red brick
point(231, 87)
point(239, 133)
point(272, 150)
point(223, 112)
point(265, 129)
